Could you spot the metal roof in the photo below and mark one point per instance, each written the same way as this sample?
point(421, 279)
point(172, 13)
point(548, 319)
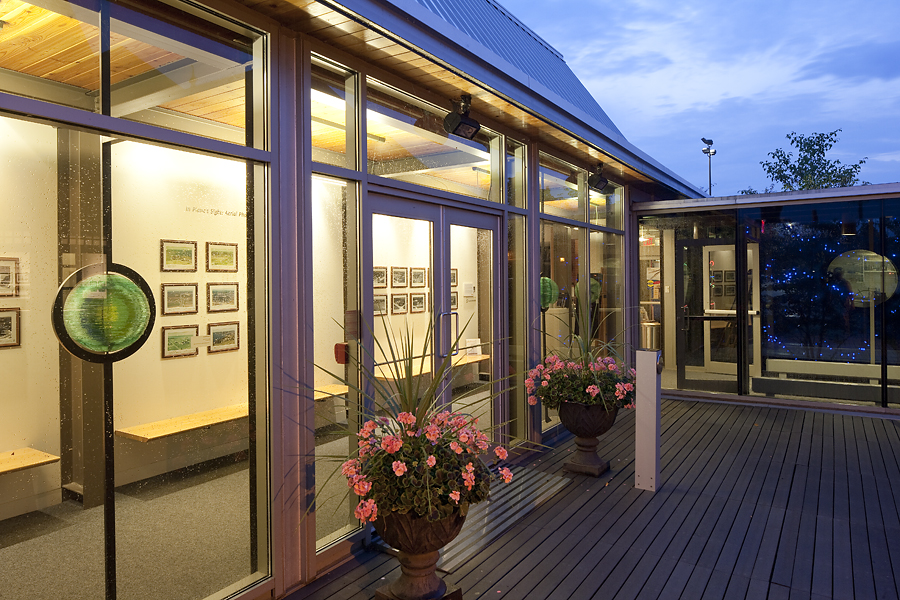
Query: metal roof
point(491, 25)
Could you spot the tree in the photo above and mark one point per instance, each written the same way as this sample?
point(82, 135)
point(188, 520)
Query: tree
point(811, 170)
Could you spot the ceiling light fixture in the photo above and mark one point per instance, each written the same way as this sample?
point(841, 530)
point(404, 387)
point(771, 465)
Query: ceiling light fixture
point(597, 181)
point(459, 122)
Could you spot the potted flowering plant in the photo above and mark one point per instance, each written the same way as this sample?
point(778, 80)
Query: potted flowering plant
point(419, 465)
point(588, 392)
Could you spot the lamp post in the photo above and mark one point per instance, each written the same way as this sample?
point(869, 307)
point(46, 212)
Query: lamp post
point(710, 153)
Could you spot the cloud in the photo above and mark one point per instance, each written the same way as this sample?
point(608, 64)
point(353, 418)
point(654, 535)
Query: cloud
point(887, 157)
point(868, 61)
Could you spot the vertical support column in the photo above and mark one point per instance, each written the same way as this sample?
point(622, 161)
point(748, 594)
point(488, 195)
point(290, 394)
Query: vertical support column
point(647, 417)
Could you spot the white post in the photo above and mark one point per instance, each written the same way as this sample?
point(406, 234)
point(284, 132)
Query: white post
point(646, 421)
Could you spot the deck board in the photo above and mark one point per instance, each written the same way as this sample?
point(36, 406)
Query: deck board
point(754, 502)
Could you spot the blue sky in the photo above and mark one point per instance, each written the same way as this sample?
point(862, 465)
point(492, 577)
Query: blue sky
point(743, 73)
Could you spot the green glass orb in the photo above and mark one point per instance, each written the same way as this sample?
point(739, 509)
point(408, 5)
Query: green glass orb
point(106, 313)
point(549, 292)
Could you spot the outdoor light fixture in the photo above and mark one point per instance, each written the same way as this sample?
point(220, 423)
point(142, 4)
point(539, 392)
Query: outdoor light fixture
point(710, 153)
point(459, 122)
point(597, 181)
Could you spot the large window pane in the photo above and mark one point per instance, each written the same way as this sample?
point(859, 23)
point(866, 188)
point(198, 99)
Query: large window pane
point(333, 115)
point(889, 309)
point(406, 141)
point(515, 173)
point(606, 206)
point(519, 326)
point(189, 407)
point(604, 294)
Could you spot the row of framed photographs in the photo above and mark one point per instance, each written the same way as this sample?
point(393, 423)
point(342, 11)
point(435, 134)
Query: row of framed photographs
point(180, 256)
point(9, 277)
point(181, 298)
point(400, 304)
point(178, 340)
point(401, 277)
point(722, 276)
point(10, 327)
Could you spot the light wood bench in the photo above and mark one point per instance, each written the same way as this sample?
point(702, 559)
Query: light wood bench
point(24, 458)
point(330, 391)
point(168, 427)
point(385, 373)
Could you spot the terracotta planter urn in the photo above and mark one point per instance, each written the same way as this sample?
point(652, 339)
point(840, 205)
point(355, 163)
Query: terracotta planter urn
point(586, 422)
point(418, 542)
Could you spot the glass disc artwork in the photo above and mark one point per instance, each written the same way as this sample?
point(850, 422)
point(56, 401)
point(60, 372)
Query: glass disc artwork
point(103, 314)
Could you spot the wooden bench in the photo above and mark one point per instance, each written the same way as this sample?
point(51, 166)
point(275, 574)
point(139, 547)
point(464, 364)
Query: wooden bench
point(168, 427)
point(330, 391)
point(24, 458)
point(385, 373)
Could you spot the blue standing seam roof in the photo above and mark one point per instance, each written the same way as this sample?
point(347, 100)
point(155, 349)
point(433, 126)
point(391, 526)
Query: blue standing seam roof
point(488, 23)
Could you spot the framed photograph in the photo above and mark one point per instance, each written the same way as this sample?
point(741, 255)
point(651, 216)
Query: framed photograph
point(417, 303)
point(179, 298)
point(729, 276)
point(9, 277)
point(399, 304)
point(177, 256)
point(454, 277)
point(399, 277)
point(418, 277)
point(225, 337)
point(221, 297)
point(380, 305)
point(10, 328)
point(730, 290)
point(717, 290)
point(177, 341)
point(379, 277)
point(716, 276)
point(454, 300)
point(221, 257)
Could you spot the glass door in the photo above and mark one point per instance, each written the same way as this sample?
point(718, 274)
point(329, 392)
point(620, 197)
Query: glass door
point(433, 275)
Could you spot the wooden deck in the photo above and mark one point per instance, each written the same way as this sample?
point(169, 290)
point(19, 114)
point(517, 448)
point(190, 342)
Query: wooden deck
point(754, 503)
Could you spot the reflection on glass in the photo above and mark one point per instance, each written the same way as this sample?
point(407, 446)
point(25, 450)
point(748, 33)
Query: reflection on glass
point(606, 206)
point(471, 290)
point(890, 308)
point(337, 411)
point(32, 39)
point(196, 76)
point(560, 272)
point(177, 487)
point(333, 106)
point(519, 326)
point(562, 188)
point(406, 141)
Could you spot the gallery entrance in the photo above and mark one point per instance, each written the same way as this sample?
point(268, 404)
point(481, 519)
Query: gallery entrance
point(434, 268)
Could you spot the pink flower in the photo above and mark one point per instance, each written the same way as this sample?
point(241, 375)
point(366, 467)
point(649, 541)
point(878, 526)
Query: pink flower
point(454, 495)
point(431, 461)
point(506, 474)
point(406, 418)
point(399, 468)
point(362, 487)
point(350, 468)
point(532, 400)
point(391, 443)
point(456, 447)
point(432, 432)
point(593, 390)
point(367, 510)
point(629, 387)
point(545, 383)
point(501, 453)
point(470, 468)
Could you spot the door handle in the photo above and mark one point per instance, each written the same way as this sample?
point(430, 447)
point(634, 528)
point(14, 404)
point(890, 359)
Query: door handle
point(684, 318)
point(441, 316)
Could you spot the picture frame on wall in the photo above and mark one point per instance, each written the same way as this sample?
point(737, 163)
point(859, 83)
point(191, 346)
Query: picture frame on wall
point(717, 276)
point(417, 302)
point(9, 277)
point(177, 341)
point(179, 298)
point(454, 300)
point(380, 304)
point(10, 327)
point(454, 277)
point(418, 277)
point(225, 337)
point(399, 277)
point(177, 256)
point(730, 276)
point(730, 290)
point(399, 304)
point(717, 291)
point(379, 277)
point(222, 297)
point(221, 257)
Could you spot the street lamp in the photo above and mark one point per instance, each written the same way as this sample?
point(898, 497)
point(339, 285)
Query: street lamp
point(710, 153)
